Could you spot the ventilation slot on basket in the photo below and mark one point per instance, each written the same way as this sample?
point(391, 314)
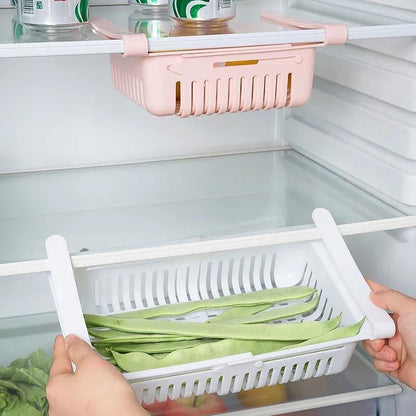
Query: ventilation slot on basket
point(230, 95)
point(128, 84)
point(289, 90)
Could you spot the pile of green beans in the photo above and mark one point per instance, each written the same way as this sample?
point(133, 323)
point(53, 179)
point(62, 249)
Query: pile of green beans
point(136, 341)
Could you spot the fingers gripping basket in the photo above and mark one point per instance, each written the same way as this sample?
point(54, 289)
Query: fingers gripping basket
point(215, 81)
point(172, 274)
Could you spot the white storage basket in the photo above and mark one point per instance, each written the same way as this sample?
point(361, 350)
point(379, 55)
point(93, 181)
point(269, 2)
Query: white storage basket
point(324, 264)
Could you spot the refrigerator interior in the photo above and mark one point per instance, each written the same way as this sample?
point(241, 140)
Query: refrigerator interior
point(81, 160)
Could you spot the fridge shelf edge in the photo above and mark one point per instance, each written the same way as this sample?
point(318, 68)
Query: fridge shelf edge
point(187, 43)
point(158, 252)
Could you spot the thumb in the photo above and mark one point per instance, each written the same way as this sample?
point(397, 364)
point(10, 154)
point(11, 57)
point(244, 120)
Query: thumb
point(78, 350)
point(393, 301)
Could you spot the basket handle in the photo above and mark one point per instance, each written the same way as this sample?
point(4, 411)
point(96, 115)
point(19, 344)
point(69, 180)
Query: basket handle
point(335, 34)
point(378, 322)
point(64, 289)
point(134, 44)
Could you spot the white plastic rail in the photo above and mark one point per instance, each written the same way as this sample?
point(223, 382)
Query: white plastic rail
point(201, 42)
point(158, 252)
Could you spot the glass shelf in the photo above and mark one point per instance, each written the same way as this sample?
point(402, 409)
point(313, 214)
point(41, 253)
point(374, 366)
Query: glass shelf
point(246, 29)
point(186, 200)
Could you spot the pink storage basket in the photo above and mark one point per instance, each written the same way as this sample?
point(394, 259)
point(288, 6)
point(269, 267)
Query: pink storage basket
point(216, 81)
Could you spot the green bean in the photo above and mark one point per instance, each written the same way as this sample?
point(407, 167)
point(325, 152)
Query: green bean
point(104, 351)
point(268, 296)
point(119, 337)
point(274, 332)
point(334, 334)
point(239, 312)
point(161, 347)
point(279, 313)
point(137, 361)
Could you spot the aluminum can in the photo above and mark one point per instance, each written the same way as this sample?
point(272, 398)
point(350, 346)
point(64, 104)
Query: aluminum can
point(52, 14)
point(153, 24)
point(202, 12)
point(150, 4)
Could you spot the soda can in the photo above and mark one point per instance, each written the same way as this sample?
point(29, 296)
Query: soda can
point(52, 14)
point(153, 24)
point(150, 4)
point(202, 12)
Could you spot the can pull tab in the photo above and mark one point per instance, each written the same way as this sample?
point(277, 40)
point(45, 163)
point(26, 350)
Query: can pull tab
point(135, 44)
point(335, 34)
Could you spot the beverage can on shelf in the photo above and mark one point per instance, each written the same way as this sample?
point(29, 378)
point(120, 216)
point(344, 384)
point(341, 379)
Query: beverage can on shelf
point(201, 12)
point(52, 14)
point(150, 4)
point(153, 24)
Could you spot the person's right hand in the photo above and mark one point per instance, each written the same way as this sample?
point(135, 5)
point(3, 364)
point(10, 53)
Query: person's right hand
point(96, 388)
point(395, 356)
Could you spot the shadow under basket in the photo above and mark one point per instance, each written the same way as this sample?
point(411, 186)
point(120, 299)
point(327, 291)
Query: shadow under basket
point(216, 81)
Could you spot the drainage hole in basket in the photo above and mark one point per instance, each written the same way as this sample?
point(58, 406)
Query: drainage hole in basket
point(220, 278)
point(265, 89)
point(182, 389)
point(328, 364)
point(170, 392)
point(220, 381)
point(305, 369)
point(195, 388)
point(241, 274)
point(188, 283)
point(253, 90)
point(317, 365)
point(130, 289)
point(288, 90)
point(194, 98)
point(178, 96)
point(257, 379)
point(208, 279)
point(244, 383)
point(282, 373)
point(276, 91)
point(158, 391)
point(302, 281)
point(320, 317)
point(230, 276)
point(308, 277)
point(156, 277)
point(269, 377)
point(273, 271)
point(252, 274)
point(142, 283)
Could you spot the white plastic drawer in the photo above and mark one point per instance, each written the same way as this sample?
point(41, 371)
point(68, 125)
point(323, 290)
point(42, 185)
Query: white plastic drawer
point(380, 76)
point(373, 120)
point(380, 172)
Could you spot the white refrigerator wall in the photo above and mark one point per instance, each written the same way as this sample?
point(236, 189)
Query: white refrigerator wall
point(60, 112)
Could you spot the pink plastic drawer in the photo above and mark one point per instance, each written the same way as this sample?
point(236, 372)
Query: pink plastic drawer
point(216, 81)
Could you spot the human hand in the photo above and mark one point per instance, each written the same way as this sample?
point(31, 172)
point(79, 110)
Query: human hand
point(95, 389)
point(395, 356)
